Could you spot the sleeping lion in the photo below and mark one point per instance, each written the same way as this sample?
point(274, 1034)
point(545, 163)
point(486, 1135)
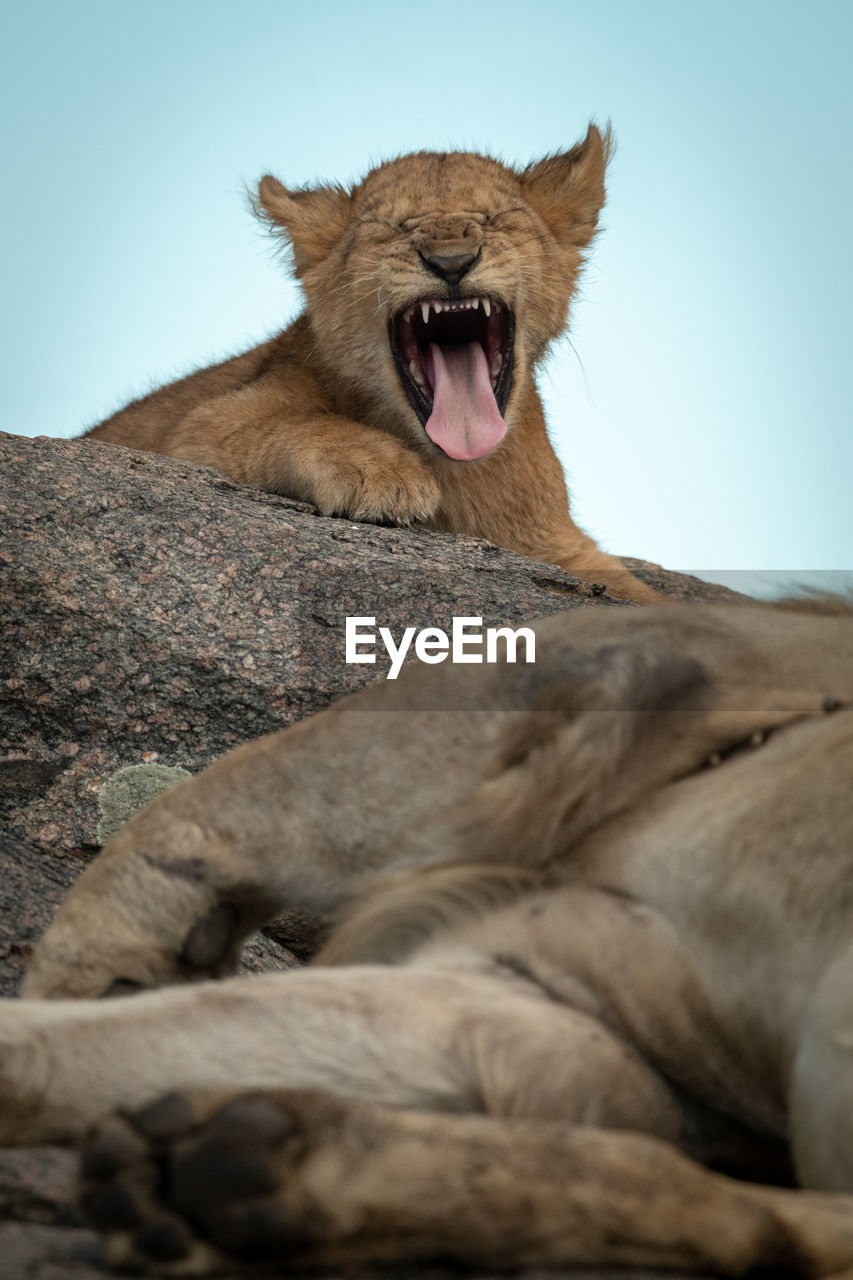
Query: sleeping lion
point(592, 956)
point(406, 390)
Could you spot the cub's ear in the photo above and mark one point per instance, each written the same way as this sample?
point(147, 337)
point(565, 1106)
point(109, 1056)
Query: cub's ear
point(567, 189)
point(313, 218)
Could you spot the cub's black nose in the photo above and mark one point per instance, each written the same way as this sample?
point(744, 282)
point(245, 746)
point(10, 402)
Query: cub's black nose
point(451, 268)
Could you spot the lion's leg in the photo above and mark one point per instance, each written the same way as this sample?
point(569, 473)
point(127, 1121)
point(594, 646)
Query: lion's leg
point(308, 1179)
point(174, 894)
point(262, 436)
point(407, 1037)
point(821, 1092)
point(166, 901)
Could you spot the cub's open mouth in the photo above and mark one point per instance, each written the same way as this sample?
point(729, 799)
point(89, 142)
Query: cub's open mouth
point(455, 363)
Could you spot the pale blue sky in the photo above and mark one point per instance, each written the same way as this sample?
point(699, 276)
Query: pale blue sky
point(709, 428)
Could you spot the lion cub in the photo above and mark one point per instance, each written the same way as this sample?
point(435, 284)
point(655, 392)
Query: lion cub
point(406, 390)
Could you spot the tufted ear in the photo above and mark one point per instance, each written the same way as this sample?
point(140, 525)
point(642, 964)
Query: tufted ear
point(567, 189)
point(313, 218)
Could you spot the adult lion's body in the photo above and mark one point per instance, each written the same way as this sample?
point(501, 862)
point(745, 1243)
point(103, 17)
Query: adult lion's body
point(406, 390)
point(558, 916)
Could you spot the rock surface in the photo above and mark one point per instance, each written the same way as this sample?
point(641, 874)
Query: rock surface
point(152, 610)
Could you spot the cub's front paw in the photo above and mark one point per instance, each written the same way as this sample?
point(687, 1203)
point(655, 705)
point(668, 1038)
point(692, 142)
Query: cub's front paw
point(384, 483)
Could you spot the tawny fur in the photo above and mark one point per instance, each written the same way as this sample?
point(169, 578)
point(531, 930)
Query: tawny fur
point(651, 941)
point(318, 412)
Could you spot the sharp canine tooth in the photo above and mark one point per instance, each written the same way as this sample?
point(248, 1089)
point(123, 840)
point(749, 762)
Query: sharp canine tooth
point(497, 364)
point(416, 373)
point(425, 312)
point(487, 307)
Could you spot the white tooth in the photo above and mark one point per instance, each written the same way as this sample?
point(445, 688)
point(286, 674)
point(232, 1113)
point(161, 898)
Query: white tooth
point(425, 312)
point(474, 303)
point(416, 373)
point(439, 307)
point(408, 316)
point(487, 306)
point(497, 365)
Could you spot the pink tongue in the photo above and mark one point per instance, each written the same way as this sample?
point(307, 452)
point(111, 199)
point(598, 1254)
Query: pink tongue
point(465, 421)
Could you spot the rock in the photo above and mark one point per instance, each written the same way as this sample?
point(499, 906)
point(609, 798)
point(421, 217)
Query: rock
point(155, 611)
point(31, 1252)
point(680, 586)
point(32, 884)
point(128, 790)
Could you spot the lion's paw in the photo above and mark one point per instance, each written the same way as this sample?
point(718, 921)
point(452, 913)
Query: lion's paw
point(389, 486)
point(188, 1184)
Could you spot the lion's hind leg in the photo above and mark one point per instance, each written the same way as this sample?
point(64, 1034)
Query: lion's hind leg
point(306, 1179)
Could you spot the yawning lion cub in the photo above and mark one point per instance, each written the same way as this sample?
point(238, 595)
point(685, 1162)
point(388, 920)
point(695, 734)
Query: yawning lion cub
point(406, 390)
